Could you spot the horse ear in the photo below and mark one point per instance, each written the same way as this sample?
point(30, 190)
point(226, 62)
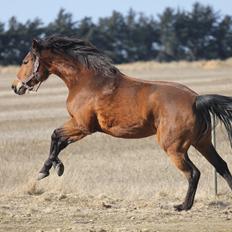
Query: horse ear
point(36, 46)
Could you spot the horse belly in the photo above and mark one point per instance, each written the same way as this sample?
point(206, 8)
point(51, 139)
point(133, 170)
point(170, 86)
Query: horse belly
point(131, 133)
point(139, 129)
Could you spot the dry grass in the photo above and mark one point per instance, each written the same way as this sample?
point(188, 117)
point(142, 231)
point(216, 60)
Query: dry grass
point(99, 166)
point(204, 64)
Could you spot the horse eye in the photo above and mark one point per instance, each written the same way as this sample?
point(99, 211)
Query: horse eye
point(25, 61)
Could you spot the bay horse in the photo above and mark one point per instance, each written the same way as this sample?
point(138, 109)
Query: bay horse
point(103, 99)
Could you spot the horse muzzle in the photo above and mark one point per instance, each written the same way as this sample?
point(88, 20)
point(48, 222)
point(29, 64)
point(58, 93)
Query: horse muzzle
point(18, 87)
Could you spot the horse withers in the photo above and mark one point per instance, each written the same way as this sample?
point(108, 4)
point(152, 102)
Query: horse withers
point(102, 99)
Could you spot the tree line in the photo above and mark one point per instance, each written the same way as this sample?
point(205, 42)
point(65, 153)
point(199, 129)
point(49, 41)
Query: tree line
point(201, 33)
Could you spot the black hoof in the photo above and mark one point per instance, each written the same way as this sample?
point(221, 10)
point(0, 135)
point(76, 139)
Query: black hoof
point(42, 175)
point(181, 207)
point(59, 169)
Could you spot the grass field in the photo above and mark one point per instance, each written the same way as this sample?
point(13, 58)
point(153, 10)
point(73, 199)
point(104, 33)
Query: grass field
point(109, 184)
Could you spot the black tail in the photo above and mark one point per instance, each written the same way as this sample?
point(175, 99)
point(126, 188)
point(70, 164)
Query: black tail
point(219, 107)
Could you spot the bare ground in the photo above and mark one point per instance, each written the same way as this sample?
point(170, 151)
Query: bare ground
point(109, 184)
point(68, 212)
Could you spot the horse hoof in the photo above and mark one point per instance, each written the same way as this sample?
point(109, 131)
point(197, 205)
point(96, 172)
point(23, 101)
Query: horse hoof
point(178, 207)
point(59, 169)
point(181, 207)
point(42, 175)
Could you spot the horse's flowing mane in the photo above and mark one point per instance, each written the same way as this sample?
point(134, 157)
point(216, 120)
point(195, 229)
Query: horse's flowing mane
point(83, 51)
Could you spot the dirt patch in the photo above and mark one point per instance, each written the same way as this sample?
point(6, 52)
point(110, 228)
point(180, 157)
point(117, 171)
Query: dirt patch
point(55, 212)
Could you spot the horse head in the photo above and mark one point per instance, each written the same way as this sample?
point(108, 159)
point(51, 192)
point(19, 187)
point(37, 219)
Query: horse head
point(32, 71)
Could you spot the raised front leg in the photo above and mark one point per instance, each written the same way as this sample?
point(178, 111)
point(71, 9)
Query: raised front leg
point(60, 139)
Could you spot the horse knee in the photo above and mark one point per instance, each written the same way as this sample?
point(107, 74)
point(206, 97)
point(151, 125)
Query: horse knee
point(55, 135)
point(185, 165)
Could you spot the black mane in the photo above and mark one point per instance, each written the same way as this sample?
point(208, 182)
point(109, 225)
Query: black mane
point(83, 51)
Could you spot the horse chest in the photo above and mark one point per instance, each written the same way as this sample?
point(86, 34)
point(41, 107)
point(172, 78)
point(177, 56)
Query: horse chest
point(78, 103)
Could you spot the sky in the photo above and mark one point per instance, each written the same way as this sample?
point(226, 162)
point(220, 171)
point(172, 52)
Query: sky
point(47, 10)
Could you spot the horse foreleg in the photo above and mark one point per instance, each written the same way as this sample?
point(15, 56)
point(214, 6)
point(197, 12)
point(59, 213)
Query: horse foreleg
point(60, 139)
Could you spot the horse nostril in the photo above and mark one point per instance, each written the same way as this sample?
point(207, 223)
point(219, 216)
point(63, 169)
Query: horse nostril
point(14, 88)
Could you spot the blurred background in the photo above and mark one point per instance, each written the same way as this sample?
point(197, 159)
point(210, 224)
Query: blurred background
point(127, 31)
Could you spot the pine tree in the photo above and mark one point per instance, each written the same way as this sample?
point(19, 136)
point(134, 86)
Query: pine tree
point(223, 38)
point(62, 25)
point(168, 38)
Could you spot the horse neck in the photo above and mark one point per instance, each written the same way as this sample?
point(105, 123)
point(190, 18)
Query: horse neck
point(68, 71)
point(74, 74)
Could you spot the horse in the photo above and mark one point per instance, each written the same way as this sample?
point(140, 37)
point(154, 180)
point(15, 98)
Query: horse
point(103, 99)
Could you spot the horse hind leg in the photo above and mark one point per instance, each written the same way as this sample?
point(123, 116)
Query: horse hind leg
point(209, 152)
point(185, 165)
